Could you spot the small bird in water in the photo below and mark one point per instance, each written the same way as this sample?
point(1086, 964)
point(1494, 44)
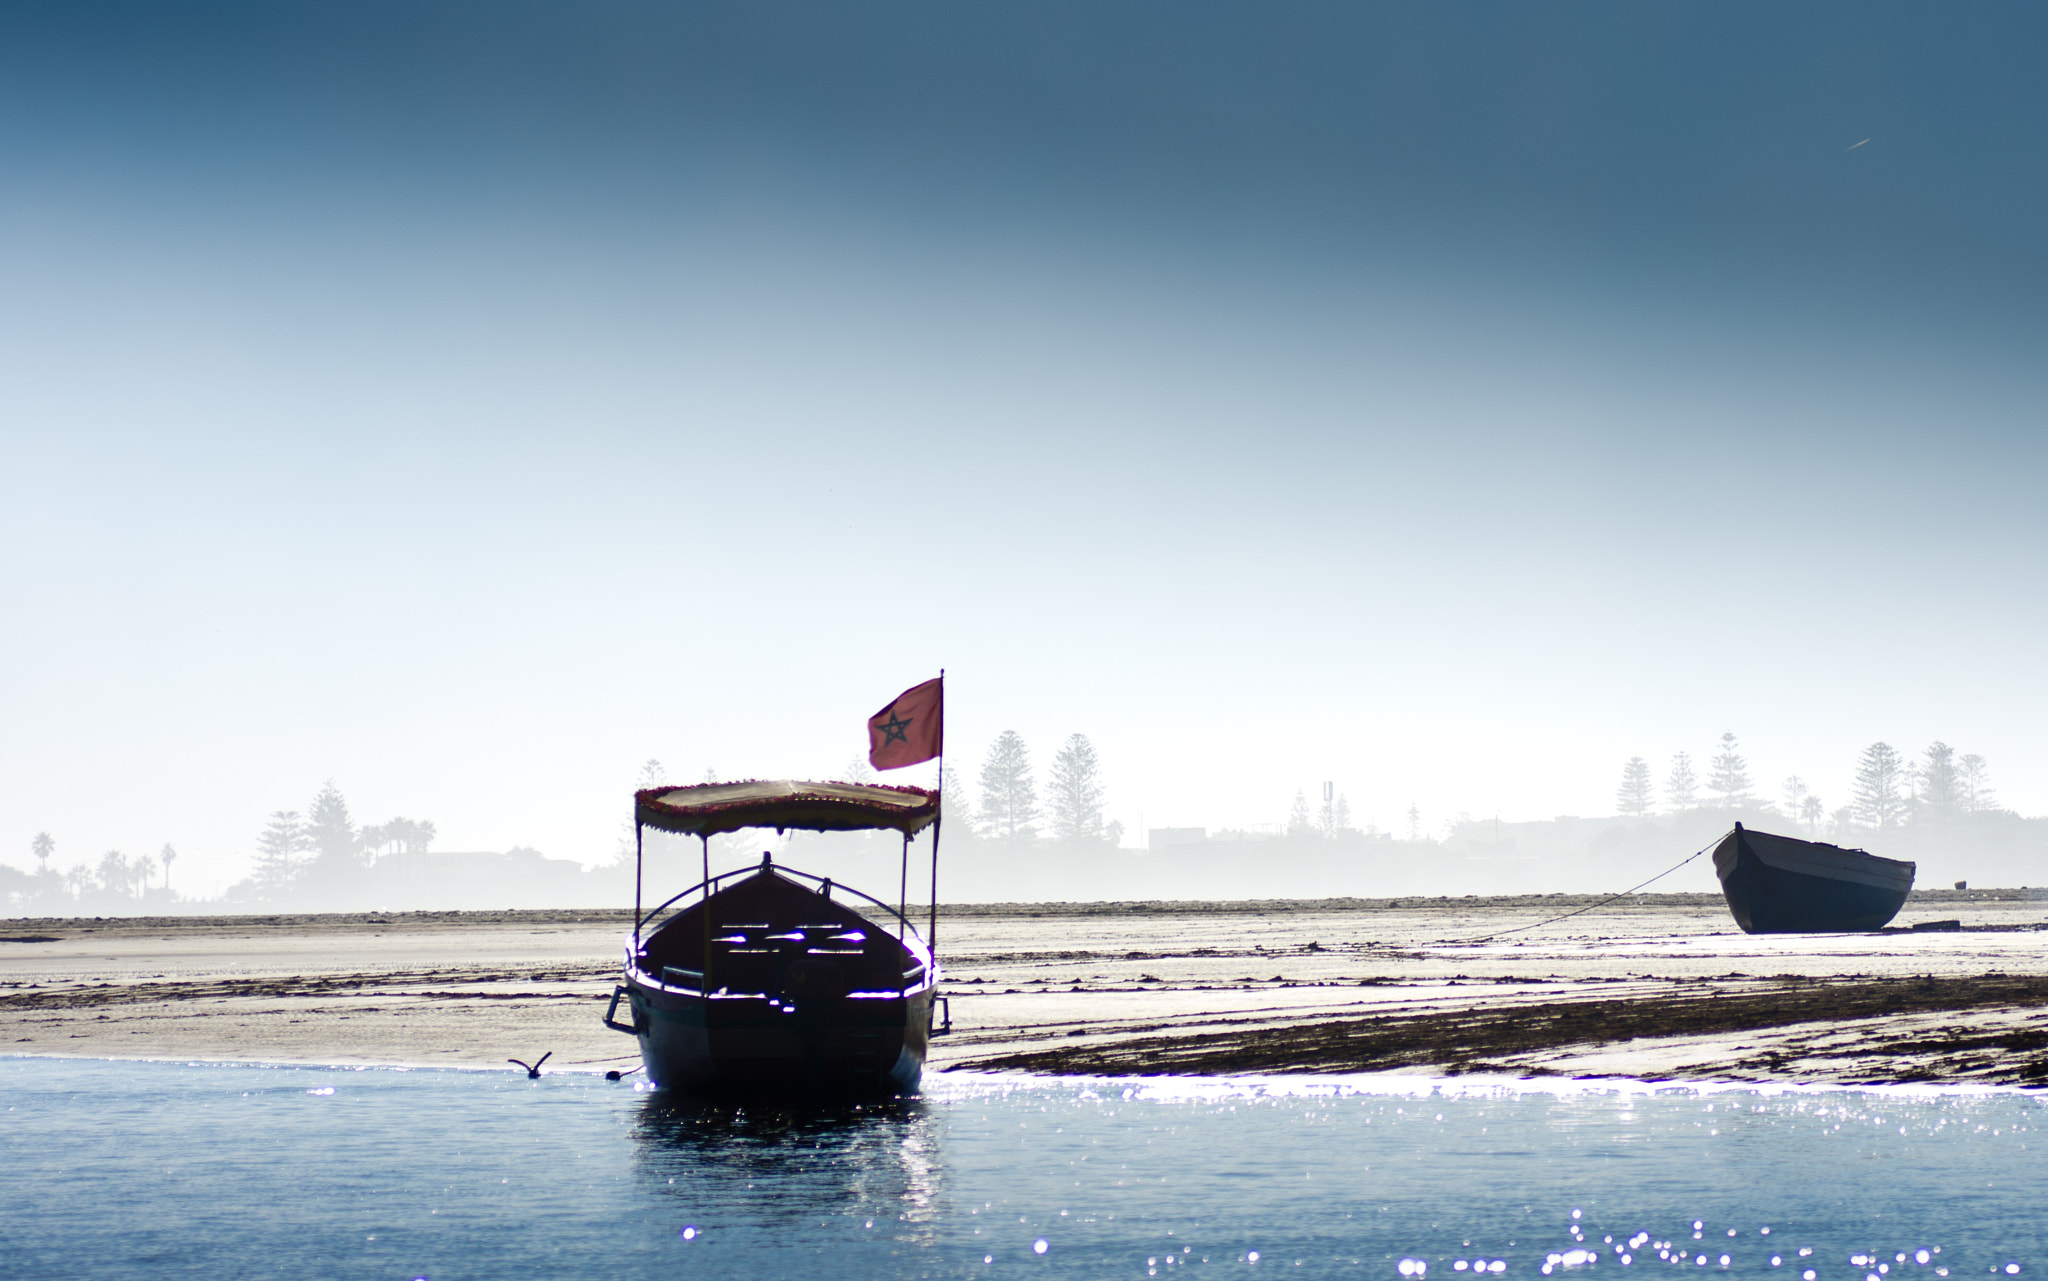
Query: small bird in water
point(616, 1075)
point(533, 1068)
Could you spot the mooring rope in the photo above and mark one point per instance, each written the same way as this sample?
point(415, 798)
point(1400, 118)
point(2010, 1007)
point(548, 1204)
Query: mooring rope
point(1487, 938)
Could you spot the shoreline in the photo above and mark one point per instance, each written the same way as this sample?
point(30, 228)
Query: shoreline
point(1392, 1081)
point(433, 918)
point(1651, 988)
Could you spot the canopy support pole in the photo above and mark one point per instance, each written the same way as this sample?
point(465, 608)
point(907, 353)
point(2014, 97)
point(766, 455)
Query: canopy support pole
point(931, 929)
point(638, 844)
point(903, 884)
point(704, 838)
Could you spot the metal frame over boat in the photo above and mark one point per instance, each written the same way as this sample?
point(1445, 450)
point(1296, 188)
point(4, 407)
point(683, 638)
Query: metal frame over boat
point(767, 979)
point(1783, 885)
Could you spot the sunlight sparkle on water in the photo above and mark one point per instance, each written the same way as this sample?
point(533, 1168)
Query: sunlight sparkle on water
point(982, 1170)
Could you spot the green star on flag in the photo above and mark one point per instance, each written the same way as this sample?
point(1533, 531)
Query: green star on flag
point(911, 729)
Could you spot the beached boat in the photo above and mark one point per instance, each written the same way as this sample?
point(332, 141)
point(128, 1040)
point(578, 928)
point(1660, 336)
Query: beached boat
point(1782, 885)
point(766, 979)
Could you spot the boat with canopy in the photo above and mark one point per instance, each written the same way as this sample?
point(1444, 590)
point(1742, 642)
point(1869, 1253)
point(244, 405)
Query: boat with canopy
point(767, 979)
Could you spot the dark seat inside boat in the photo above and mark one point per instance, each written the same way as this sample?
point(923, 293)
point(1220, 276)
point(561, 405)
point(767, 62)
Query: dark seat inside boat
point(774, 936)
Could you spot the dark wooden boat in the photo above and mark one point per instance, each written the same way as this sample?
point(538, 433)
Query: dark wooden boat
point(769, 980)
point(1782, 885)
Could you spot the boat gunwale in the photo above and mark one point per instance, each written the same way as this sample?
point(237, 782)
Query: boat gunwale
point(1816, 859)
point(909, 935)
point(634, 974)
point(906, 937)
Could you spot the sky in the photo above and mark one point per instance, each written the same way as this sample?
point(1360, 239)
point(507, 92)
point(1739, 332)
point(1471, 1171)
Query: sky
point(466, 403)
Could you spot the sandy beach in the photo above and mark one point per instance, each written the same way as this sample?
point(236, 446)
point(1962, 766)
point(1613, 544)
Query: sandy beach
point(1657, 987)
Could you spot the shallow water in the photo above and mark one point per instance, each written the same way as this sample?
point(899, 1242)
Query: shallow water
point(118, 1169)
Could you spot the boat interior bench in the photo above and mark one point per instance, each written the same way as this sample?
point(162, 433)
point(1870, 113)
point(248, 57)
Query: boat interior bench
point(815, 949)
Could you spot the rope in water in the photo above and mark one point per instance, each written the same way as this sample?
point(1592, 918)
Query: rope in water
point(1485, 938)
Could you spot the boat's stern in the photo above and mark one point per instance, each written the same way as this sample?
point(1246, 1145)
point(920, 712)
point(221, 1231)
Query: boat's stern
point(771, 986)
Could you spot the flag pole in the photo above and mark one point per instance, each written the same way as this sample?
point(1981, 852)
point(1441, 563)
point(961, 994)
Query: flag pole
point(931, 932)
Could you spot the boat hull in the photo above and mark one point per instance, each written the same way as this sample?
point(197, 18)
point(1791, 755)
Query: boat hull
point(1777, 885)
point(723, 1044)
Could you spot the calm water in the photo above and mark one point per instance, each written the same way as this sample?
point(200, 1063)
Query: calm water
point(167, 1170)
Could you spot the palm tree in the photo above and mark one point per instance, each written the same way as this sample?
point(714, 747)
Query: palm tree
point(114, 872)
point(43, 847)
point(167, 857)
point(1811, 811)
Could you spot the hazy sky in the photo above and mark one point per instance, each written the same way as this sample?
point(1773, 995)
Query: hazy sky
point(466, 402)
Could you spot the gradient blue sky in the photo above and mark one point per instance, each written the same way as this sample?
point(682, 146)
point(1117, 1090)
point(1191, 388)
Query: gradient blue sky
point(466, 402)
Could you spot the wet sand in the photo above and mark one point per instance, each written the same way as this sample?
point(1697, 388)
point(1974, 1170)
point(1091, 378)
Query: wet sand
point(1660, 987)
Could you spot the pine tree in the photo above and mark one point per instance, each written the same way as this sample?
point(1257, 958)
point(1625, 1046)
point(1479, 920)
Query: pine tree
point(278, 851)
point(1680, 784)
point(1299, 824)
point(1730, 779)
point(652, 775)
point(1009, 799)
point(1878, 774)
point(330, 832)
point(1975, 784)
point(1796, 791)
point(1075, 793)
point(858, 770)
point(954, 803)
point(1941, 785)
point(1414, 822)
point(1343, 814)
point(1637, 793)
point(1842, 824)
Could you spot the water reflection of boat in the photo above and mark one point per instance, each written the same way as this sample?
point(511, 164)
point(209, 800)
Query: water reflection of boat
point(1782, 885)
point(777, 1168)
point(771, 980)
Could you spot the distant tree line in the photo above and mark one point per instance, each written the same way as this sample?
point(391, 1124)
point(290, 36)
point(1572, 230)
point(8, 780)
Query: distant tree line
point(1326, 822)
point(1012, 810)
point(1069, 812)
point(114, 882)
point(325, 846)
point(1888, 790)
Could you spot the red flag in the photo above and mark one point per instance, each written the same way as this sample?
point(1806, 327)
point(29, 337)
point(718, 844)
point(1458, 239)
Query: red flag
point(910, 730)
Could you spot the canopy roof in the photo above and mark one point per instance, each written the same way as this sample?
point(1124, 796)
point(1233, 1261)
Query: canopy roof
point(710, 808)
